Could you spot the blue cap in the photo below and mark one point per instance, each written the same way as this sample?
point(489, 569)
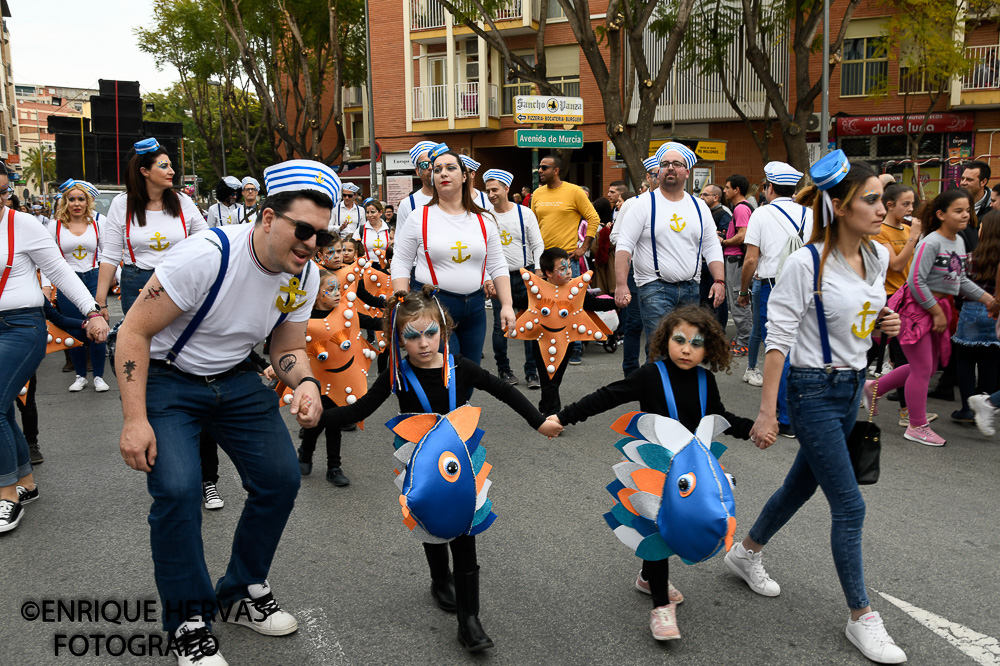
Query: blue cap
point(233, 183)
point(66, 186)
point(651, 163)
point(295, 175)
point(91, 189)
point(470, 164)
point(146, 146)
point(367, 201)
point(420, 148)
point(830, 169)
point(351, 187)
point(437, 151)
point(505, 177)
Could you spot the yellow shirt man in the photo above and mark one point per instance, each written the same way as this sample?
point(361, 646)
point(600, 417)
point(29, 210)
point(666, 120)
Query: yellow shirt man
point(559, 211)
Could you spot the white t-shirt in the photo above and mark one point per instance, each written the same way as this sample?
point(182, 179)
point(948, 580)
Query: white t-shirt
point(769, 229)
point(373, 240)
point(407, 205)
point(456, 247)
point(245, 310)
point(681, 229)
point(851, 305)
point(354, 216)
point(615, 228)
point(480, 198)
point(80, 252)
point(148, 243)
point(221, 215)
point(34, 247)
point(244, 217)
point(520, 251)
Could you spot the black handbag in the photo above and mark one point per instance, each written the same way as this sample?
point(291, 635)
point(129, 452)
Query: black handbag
point(864, 444)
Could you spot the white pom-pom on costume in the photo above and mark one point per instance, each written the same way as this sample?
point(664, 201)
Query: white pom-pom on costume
point(351, 296)
point(552, 350)
point(24, 390)
point(574, 291)
point(552, 341)
point(529, 325)
point(350, 277)
point(534, 289)
point(381, 344)
point(374, 278)
point(361, 262)
point(347, 324)
point(581, 328)
point(598, 335)
point(525, 276)
point(348, 314)
point(49, 339)
point(70, 342)
point(585, 277)
point(309, 338)
point(348, 389)
point(513, 334)
point(551, 368)
point(288, 399)
point(351, 399)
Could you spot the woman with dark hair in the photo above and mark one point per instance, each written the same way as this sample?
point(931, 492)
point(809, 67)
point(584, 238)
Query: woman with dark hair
point(374, 233)
point(826, 304)
point(456, 248)
point(144, 223)
point(939, 273)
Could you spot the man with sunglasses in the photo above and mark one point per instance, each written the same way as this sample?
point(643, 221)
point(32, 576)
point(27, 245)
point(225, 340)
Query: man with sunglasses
point(181, 362)
point(422, 162)
point(247, 213)
point(347, 216)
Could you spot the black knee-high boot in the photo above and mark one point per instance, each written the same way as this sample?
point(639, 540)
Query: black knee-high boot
point(442, 582)
point(470, 631)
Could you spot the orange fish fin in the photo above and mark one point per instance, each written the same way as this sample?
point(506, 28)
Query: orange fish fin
point(730, 532)
point(481, 477)
point(410, 522)
point(623, 497)
point(464, 420)
point(622, 422)
point(414, 428)
point(649, 480)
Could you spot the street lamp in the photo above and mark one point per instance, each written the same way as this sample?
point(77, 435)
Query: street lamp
point(222, 136)
point(194, 175)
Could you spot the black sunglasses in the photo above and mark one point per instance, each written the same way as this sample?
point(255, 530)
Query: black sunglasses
point(544, 167)
point(305, 231)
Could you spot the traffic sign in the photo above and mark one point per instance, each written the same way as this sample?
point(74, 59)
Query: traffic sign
point(549, 138)
point(378, 151)
point(552, 110)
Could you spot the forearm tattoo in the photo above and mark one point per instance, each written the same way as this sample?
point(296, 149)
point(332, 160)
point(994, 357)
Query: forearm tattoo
point(286, 363)
point(129, 368)
point(153, 293)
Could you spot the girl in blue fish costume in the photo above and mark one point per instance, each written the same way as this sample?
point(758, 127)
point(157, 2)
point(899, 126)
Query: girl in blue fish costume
point(424, 383)
point(685, 339)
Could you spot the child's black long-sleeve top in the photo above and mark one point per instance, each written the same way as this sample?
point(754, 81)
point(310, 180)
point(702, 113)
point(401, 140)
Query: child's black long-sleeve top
point(364, 321)
point(591, 303)
point(645, 386)
point(468, 375)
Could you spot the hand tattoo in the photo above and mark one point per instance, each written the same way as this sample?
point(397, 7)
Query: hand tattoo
point(286, 363)
point(129, 369)
point(154, 293)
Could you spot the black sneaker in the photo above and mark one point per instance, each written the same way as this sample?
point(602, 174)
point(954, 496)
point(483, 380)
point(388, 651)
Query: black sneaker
point(786, 431)
point(946, 393)
point(305, 466)
point(196, 647)
point(533, 382)
point(11, 514)
point(35, 454)
point(337, 478)
point(508, 377)
point(963, 416)
point(892, 397)
point(25, 496)
point(350, 427)
point(576, 359)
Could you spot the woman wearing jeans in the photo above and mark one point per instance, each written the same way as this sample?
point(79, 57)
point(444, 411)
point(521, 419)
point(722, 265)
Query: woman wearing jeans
point(25, 245)
point(828, 368)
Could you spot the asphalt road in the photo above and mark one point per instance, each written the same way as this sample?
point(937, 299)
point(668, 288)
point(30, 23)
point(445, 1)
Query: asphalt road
point(557, 586)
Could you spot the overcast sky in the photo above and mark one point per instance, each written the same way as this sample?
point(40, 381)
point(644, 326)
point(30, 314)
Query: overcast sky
point(73, 44)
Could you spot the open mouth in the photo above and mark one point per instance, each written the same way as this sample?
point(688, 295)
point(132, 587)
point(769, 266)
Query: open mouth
point(343, 367)
point(553, 330)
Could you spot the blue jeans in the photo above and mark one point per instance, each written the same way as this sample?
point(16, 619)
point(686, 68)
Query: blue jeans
point(78, 354)
point(658, 298)
point(765, 294)
point(824, 408)
point(241, 414)
point(575, 348)
point(756, 335)
point(23, 339)
point(500, 339)
point(631, 328)
point(132, 282)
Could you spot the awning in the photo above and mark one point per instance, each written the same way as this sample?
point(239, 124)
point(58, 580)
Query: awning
point(936, 123)
point(363, 172)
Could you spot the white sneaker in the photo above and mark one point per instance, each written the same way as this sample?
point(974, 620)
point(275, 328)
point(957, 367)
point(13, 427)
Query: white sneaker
point(984, 411)
point(78, 385)
point(262, 613)
point(748, 565)
point(100, 385)
point(753, 377)
point(196, 646)
point(869, 635)
point(213, 500)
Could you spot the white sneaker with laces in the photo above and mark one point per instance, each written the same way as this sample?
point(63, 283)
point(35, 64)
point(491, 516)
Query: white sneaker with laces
point(753, 377)
point(194, 645)
point(262, 613)
point(100, 385)
point(78, 385)
point(868, 634)
point(984, 411)
point(748, 565)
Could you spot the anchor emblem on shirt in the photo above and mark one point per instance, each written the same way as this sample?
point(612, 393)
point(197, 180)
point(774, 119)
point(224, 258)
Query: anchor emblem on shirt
point(80, 252)
point(378, 243)
point(677, 223)
point(865, 330)
point(505, 238)
point(160, 245)
point(292, 301)
point(459, 258)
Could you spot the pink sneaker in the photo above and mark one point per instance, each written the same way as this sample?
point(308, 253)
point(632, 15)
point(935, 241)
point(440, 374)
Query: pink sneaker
point(663, 623)
point(868, 398)
point(673, 593)
point(924, 435)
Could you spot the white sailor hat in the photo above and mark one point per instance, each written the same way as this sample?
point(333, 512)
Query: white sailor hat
point(830, 169)
point(470, 164)
point(146, 146)
point(90, 187)
point(296, 175)
point(249, 180)
point(67, 185)
point(420, 148)
point(36, 207)
point(780, 173)
point(352, 188)
point(651, 163)
point(505, 177)
point(437, 151)
point(233, 183)
point(686, 153)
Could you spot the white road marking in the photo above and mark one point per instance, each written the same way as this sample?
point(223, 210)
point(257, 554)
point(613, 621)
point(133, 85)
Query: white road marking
point(982, 649)
point(313, 623)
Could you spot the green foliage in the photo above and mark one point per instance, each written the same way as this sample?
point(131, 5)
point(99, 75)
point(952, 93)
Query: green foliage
point(39, 166)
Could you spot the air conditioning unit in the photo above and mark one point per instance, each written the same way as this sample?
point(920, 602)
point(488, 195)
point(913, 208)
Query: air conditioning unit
point(813, 124)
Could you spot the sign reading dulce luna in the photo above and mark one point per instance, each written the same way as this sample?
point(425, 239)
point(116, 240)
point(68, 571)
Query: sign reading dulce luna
point(936, 123)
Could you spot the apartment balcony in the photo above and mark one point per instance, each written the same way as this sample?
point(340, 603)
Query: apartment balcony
point(354, 97)
point(460, 107)
point(981, 85)
point(429, 22)
point(353, 147)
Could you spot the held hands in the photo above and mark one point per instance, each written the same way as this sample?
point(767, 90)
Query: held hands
point(889, 322)
point(718, 294)
point(306, 405)
point(764, 431)
point(551, 428)
point(622, 296)
point(138, 445)
point(97, 329)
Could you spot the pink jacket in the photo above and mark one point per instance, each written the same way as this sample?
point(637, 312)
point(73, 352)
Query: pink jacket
point(916, 322)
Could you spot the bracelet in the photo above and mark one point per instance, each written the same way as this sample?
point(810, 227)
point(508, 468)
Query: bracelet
point(94, 314)
point(314, 381)
point(103, 307)
point(745, 293)
point(720, 282)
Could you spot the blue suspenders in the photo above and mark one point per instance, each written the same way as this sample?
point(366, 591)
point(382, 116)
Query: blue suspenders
point(652, 234)
point(802, 222)
point(668, 391)
point(824, 337)
point(209, 299)
point(524, 241)
point(411, 379)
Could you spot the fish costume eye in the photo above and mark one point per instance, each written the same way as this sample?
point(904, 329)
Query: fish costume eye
point(323, 356)
point(345, 345)
point(546, 312)
point(685, 484)
point(564, 312)
point(449, 467)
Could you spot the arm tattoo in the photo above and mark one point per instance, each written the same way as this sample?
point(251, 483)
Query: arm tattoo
point(154, 293)
point(286, 362)
point(129, 369)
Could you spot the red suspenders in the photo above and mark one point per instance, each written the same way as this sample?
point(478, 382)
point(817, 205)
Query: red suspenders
point(128, 229)
point(427, 255)
point(97, 236)
point(10, 250)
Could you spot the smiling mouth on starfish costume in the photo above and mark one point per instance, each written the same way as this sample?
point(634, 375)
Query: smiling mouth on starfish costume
point(343, 367)
point(553, 330)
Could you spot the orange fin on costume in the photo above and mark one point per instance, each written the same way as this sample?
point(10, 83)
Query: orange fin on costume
point(622, 422)
point(23, 397)
point(649, 480)
point(464, 420)
point(410, 522)
point(414, 428)
point(481, 477)
point(730, 532)
point(623, 496)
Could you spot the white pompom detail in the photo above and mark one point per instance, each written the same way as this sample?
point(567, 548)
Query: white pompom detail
point(525, 276)
point(574, 291)
point(581, 328)
point(288, 399)
point(529, 325)
point(521, 329)
point(552, 341)
point(585, 277)
point(348, 314)
point(361, 262)
point(534, 289)
point(49, 339)
point(347, 324)
point(350, 277)
point(551, 369)
point(381, 344)
point(58, 341)
point(374, 278)
point(24, 391)
point(70, 342)
point(513, 334)
point(351, 296)
point(351, 399)
point(552, 350)
point(309, 338)
point(589, 332)
point(598, 335)
point(348, 390)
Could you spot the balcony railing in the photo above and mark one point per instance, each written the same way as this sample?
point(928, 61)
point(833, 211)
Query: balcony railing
point(985, 73)
point(354, 145)
point(429, 15)
point(353, 96)
point(430, 103)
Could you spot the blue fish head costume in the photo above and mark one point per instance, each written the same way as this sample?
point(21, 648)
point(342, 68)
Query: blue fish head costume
point(673, 496)
point(443, 483)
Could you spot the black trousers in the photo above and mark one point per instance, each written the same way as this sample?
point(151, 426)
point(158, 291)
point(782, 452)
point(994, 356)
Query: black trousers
point(657, 574)
point(463, 554)
point(29, 412)
point(209, 451)
point(310, 437)
point(550, 403)
point(968, 359)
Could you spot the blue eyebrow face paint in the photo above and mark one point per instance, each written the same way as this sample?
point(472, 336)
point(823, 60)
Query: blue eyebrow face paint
point(411, 333)
point(698, 341)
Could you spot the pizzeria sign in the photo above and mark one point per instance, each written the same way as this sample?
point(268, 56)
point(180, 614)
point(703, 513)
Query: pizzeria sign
point(936, 123)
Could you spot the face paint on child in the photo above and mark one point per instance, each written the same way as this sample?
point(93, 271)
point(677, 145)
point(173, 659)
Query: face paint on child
point(561, 273)
point(686, 346)
point(329, 294)
point(421, 338)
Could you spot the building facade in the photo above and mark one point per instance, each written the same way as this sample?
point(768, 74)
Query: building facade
point(8, 113)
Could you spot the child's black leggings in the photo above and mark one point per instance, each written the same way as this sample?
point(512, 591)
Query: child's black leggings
point(657, 574)
point(333, 438)
point(463, 553)
point(550, 403)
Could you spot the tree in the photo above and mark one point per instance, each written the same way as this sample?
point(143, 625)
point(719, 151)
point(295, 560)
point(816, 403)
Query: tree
point(625, 24)
point(40, 167)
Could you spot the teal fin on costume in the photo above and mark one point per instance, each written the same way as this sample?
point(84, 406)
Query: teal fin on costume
point(615, 487)
point(718, 448)
point(620, 444)
point(483, 511)
point(623, 515)
point(478, 458)
point(653, 548)
point(611, 520)
point(656, 456)
point(644, 526)
point(481, 527)
point(398, 442)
